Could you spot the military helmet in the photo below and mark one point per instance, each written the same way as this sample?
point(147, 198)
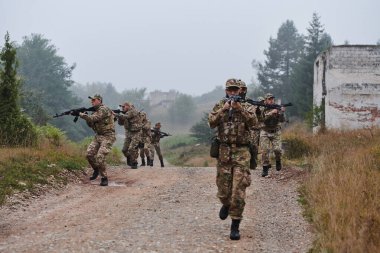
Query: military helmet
point(96, 96)
point(232, 82)
point(242, 84)
point(269, 95)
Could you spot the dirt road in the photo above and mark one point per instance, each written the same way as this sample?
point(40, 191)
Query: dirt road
point(157, 210)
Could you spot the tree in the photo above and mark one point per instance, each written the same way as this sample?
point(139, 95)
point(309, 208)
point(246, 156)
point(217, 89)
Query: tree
point(182, 110)
point(302, 78)
point(15, 128)
point(281, 57)
point(45, 87)
point(202, 130)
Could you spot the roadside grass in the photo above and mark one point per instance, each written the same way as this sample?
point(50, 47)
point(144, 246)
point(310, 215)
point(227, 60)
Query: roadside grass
point(185, 151)
point(47, 163)
point(23, 168)
point(341, 195)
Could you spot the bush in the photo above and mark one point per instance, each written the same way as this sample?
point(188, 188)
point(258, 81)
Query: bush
point(178, 141)
point(296, 147)
point(54, 135)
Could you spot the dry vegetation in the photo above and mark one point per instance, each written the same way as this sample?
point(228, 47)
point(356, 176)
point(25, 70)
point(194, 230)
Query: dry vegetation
point(342, 194)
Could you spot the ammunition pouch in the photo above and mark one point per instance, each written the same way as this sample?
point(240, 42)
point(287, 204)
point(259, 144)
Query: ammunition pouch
point(214, 150)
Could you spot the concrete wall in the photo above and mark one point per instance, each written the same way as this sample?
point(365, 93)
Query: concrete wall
point(347, 81)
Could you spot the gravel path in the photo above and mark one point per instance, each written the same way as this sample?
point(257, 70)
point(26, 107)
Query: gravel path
point(157, 210)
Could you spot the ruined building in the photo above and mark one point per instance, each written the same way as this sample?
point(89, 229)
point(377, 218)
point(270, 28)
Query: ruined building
point(347, 87)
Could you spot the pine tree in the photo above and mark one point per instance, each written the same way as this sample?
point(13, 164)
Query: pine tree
point(302, 78)
point(281, 57)
point(15, 128)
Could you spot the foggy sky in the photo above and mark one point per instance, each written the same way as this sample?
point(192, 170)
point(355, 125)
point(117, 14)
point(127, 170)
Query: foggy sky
point(187, 45)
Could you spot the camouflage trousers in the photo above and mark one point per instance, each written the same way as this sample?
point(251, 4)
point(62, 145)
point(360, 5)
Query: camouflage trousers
point(232, 178)
point(270, 141)
point(131, 146)
point(97, 151)
point(156, 146)
point(146, 150)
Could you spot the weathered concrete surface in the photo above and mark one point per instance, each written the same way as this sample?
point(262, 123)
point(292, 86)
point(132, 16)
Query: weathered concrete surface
point(348, 77)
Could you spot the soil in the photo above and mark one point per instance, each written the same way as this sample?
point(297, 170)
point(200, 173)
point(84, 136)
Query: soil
point(154, 209)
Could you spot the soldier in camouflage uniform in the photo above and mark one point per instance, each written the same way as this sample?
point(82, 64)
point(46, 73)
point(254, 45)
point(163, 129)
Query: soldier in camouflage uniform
point(146, 140)
point(255, 132)
point(270, 135)
point(132, 122)
point(233, 122)
point(102, 122)
point(156, 137)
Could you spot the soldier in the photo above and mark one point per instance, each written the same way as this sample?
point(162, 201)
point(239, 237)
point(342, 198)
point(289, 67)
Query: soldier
point(102, 122)
point(132, 123)
point(156, 137)
point(254, 133)
point(271, 134)
point(233, 122)
point(146, 140)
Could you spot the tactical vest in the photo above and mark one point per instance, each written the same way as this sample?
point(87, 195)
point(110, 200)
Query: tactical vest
point(106, 125)
point(233, 130)
point(134, 120)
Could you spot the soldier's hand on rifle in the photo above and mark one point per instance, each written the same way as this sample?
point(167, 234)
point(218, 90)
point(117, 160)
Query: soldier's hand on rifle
point(226, 106)
point(81, 114)
point(282, 109)
point(236, 105)
point(274, 111)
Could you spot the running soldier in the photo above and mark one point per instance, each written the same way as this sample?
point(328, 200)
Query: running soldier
point(233, 122)
point(146, 140)
point(102, 122)
point(270, 135)
point(132, 122)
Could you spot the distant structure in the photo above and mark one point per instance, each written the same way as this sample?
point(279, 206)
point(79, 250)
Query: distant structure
point(161, 98)
point(347, 87)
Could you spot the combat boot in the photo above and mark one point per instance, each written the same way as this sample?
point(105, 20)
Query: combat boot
point(95, 174)
point(223, 213)
point(278, 165)
point(235, 235)
point(162, 163)
point(128, 161)
point(143, 162)
point(104, 181)
point(151, 163)
point(265, 170)
point(134, 165)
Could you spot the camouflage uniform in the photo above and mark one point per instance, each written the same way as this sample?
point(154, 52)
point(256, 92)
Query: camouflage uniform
point(102, 122)
point(155, 145)
point(233, 174)
point(146, 140)
point(132, 123)
point(254, 133)
point(270, 135)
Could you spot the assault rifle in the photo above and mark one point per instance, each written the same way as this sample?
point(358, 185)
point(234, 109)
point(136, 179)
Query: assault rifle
point(273, 106)
point(239, 99)
point(162, 134)
point(75, 112)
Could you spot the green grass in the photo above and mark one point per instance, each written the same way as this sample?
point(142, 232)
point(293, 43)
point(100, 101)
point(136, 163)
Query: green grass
point(24, 168)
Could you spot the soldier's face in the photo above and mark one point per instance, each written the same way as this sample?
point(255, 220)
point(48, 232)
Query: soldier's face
point(269, 101)
point(125, 107)
point(95, 102)
point(232, 91)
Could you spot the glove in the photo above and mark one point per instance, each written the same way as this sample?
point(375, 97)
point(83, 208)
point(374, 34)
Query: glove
point(81, 114)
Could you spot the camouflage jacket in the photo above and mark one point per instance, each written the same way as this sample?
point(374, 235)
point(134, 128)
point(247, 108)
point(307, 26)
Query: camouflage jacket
point(146, 129)
point(235, 127)
point(155, 136)
point(271, 122)
point(101, 121)
point(131, 120)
